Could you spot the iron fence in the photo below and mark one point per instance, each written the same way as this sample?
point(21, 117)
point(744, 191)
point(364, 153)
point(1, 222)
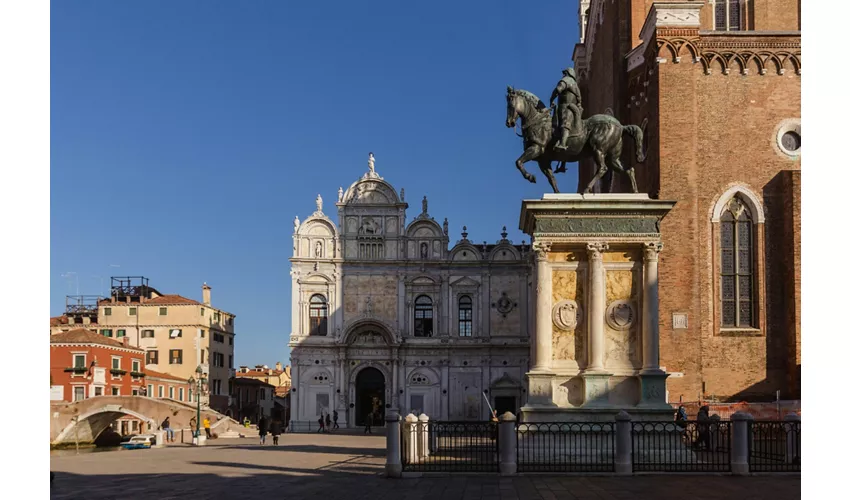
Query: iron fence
point(565, 447)
point(774, 446)
point(682, 446)
point(450, 447)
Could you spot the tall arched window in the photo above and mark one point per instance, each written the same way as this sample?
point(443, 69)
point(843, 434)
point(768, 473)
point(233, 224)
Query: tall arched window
point(464, 316)
point(318, 315)
point(736, 265)
point(423, 317)
point(727, 15)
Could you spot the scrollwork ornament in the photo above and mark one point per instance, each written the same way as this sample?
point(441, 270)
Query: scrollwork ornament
point(541, 250)
point(651, 250)
point(595, 249)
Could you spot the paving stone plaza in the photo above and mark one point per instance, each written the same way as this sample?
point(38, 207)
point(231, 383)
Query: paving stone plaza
point(332, 466)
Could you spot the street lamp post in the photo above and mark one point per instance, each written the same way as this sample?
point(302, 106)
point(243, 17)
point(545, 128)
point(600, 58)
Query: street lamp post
point(192, 382)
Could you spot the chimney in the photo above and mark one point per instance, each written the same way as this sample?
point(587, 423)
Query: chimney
point(277, 366)
point(125, 340)
point(86, 320)
point(288, 371)
point(206, 288)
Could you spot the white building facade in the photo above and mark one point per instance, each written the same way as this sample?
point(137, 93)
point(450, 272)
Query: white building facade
point(388, 315)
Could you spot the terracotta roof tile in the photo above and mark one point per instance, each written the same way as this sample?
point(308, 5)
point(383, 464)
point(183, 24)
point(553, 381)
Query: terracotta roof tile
point(84, 336)
point(281, 391)
point(169, 299)
point(165, 376)
point(250, 381)
point(59, 320)
point(258, 373)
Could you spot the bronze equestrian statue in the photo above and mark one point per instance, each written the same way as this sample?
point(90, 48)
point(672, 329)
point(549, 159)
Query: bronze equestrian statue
point(599, 137)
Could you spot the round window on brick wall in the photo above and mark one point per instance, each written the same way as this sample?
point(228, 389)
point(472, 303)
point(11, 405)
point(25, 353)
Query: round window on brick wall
point(788, 137)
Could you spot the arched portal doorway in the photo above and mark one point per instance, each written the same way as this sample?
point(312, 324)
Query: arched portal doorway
point(370, 391)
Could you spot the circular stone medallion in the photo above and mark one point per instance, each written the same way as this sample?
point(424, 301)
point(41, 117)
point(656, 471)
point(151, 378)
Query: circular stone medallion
point(621, 314)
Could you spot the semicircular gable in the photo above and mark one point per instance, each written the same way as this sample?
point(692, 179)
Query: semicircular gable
point(505, 252)
point(318, 226)
point(424, 229)
point(465, 252)
point(315, 277)
point(370, 192)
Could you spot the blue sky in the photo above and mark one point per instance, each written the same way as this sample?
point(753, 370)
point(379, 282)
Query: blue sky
point(186, 135)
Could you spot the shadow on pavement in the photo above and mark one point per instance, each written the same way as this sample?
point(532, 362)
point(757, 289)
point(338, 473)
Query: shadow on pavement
point(331, 484)
point(310, 448)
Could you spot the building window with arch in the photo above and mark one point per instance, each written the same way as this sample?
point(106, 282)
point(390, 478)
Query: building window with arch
point(318, 315)
point(464, 316)
point(727, 15)
point(736, 265)
point(423, 317)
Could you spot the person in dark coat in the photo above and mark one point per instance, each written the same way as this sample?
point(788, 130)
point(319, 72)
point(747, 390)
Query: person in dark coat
point(328, 422)
point(369, 420)
point(262, 426)
point(275, 429)
point(703, 426)
point(681, 417)
point(336, 418)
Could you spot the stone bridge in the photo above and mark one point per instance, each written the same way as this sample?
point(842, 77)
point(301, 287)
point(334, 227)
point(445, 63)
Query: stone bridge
point(83, 421)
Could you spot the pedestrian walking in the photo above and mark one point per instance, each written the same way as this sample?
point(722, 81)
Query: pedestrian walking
point(336, 417)
point(262, 426)
point(703, 427)
point(321, 423)
point(169, 432)
point(276, 429)
point(369, 420)
point(207, 427)
point(328, 422)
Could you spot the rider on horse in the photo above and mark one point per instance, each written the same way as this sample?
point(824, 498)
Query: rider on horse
point(569, 107)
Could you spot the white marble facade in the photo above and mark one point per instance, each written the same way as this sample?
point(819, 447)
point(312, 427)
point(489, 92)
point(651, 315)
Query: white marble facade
point(367, 277)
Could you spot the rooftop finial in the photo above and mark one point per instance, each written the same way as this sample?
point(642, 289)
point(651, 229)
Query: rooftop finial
point(446, 226)
point(402, 194)
point(339, 195)
point(371, 163)
point(464, 234)
point(319, 203)
point(424, 204)
point(504, 232)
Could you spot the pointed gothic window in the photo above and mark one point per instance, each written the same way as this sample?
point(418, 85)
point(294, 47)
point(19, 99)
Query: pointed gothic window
point(736, 266)
point(465, 316)
point(318, 315)
point(423, 317)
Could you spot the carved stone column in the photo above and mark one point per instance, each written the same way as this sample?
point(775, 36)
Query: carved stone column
point(543, 332)
point(596, 318)
point(650, 307)
point(595, 377)
point(653, 380)
point(541, 376)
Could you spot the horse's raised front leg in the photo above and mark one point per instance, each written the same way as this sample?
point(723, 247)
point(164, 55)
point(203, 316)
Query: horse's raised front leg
point(601, 168)
point(546, 168)
point(529, 154)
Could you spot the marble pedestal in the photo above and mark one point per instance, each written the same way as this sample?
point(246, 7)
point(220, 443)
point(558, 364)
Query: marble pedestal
point(594, 237)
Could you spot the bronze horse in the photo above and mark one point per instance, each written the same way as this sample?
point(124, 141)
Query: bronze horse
point(600, 139)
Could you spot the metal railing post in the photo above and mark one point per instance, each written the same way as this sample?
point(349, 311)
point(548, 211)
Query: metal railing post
point(507, 444)
point(792, 444)
point(741, 443)
point(623, 444)
point(393, 467)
